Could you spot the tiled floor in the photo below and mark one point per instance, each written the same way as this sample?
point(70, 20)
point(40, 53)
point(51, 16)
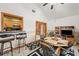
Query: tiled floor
point(76, 50)
point(24, 52)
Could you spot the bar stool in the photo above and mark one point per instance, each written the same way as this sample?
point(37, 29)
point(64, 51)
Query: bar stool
point(4, 40)
point(19, 37)
point(24, 39)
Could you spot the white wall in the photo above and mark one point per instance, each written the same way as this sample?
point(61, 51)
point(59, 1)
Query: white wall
point(66, 21)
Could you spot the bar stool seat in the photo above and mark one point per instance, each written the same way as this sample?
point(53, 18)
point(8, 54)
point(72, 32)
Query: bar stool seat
point(21, 36)
point(5, 40)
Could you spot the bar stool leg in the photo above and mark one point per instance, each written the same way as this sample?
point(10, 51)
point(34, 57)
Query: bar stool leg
point(2, 47)
point(19, 45)
point(24, 41)
point(11, 48)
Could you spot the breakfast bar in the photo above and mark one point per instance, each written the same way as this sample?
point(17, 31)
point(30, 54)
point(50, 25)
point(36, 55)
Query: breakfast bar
point(9, 36)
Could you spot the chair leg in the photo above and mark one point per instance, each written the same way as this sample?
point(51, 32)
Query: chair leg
point(11, 48)
point(2, 47)
point(44, 50)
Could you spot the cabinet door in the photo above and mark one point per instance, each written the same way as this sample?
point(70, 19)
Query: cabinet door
point(38, 28)
point(41, 28)
point(45, 29)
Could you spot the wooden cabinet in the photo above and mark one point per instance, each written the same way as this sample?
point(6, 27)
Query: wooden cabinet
point(11, 22)
point(39, 26)
point(59, 28)
point(70, 38)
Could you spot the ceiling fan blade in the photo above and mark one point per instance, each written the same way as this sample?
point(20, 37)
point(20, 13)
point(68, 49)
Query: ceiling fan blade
point(61, 3)
point(51, 6)
point(33, 11)
point(45, 4)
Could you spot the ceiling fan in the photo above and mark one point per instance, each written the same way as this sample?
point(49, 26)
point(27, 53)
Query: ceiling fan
point(51, 5)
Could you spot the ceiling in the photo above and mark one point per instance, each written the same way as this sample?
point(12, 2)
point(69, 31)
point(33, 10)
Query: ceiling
point(59, 10)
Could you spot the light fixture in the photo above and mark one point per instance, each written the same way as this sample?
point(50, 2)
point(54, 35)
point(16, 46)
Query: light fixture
point(51, 4)
point(33, 11)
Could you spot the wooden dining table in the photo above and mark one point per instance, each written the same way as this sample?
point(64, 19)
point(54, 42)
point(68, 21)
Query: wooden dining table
point(55, 42)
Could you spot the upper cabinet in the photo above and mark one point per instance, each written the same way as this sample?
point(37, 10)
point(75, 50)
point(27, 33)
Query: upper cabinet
point(41, 28)
point(10, 22)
